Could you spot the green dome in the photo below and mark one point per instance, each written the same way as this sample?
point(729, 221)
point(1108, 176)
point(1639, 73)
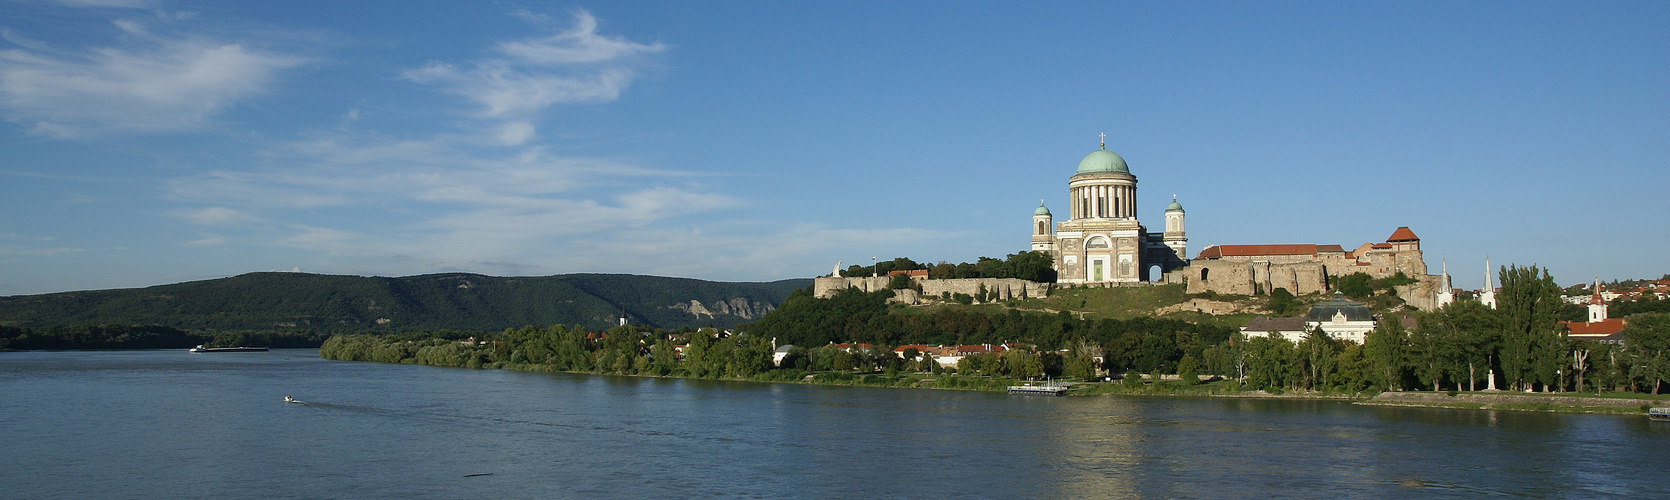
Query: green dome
point(1174, 206)
point(1102, 161)
point(1041, 210)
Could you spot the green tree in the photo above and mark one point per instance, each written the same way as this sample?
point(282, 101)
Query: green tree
point(1529, 304)
point(1386, 350)
point(1079, 364)
point(1132, 380)
point(1473, 329)
point(1188, 370)
point(1281, 301)
point(664, 359)
point(1647, 340)
point(1431, 354)
point(1355, 373)
point(1358, 285)
point(1033, 266)
point(1271, 362)
point(1319, 356)
point(844, 361)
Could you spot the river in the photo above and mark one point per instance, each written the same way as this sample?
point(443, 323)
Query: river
point(170, 424)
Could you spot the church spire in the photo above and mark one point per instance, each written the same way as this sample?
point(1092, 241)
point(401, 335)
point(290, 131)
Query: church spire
point(1446, 293)
point(1444, 284)
point(1488, 294)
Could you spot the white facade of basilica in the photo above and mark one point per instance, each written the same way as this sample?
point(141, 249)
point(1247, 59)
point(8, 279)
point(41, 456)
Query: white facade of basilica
point(1102, 241)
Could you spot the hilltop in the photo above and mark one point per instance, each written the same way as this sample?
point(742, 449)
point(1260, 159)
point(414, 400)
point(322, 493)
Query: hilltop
point(281, 301)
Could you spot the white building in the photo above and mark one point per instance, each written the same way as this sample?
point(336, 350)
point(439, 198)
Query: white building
point(1341, 319)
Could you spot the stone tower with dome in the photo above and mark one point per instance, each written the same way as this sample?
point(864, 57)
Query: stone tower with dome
point(1102, 241)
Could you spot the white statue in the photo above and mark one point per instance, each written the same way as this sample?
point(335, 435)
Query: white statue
point(837, 272)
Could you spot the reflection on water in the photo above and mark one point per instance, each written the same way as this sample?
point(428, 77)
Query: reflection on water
point(170, 424)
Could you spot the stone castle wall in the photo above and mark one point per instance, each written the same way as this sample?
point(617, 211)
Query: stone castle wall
point(1299, 278)
point(1251, 278)
point(1421, 295)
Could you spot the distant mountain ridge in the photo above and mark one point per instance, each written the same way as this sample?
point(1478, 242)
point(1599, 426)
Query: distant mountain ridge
point(283, 301)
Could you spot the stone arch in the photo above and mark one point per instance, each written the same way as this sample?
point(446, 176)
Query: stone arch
point(1203, 273)
point(1041, 227)
point(1156, 272)
point(1096, 242)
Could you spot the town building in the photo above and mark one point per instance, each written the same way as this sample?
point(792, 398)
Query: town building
point(1341, 319)
point(1292, 329)
point(1599, 328)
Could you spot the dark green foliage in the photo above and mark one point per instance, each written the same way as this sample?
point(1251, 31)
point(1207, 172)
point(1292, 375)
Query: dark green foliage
point(1132, 379)
point(1034, 266)
point(1529, 305)
point(1648, 346)
point(1281, 302)
point(1188, 370)
point(314, 304)
point(1648, 303)
point(142, 337)
point(1360, 285)
point(1355, 285)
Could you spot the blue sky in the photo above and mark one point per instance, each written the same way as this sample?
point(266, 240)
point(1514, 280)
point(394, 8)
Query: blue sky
point(149, 142)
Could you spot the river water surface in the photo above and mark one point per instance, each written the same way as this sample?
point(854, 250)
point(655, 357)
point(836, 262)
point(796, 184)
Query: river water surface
point(170, 424)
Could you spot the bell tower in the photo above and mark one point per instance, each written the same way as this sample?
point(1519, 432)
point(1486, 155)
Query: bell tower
point(1043, 230)
point(1174, 236)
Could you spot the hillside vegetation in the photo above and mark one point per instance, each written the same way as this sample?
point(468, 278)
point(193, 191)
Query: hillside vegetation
point(277, 301)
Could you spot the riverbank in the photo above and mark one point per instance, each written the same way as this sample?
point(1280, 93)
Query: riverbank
point(1614, 403)
point(1610, 403)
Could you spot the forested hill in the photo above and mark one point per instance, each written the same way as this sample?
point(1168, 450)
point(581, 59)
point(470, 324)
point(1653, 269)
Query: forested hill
point(280, 301)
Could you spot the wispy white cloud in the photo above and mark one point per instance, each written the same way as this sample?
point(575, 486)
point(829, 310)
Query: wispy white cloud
point(572, 66)
point(581, 44)
point(215, 216)
point(148, 83)
point(489, 199)
point(206, 241)
point(17, 244)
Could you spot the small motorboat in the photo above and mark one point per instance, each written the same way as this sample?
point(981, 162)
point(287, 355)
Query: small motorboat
point(201, 348)
point(1659, 414)
point(289, 399)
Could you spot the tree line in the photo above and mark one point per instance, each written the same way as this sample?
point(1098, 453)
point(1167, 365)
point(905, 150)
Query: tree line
point(79, 337)
point(1029, 265)
point(1521, 343)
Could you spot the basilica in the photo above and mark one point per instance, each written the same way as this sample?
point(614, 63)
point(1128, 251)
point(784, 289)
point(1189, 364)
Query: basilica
point(1102, 241)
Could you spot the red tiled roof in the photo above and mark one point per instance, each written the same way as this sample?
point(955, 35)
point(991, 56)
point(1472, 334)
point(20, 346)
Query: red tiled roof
point(1403, 234)
point(1599, 328)
point(919, 348)
point(1329, 248)
point(1221, 251)
point(980, 348)
point(909, 272)
point(1382, 245)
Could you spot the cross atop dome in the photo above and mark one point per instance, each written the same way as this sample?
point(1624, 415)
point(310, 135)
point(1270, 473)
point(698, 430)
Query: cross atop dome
point(1104, 140)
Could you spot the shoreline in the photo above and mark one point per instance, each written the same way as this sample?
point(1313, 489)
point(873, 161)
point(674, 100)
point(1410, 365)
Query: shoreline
point(1584, 403)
